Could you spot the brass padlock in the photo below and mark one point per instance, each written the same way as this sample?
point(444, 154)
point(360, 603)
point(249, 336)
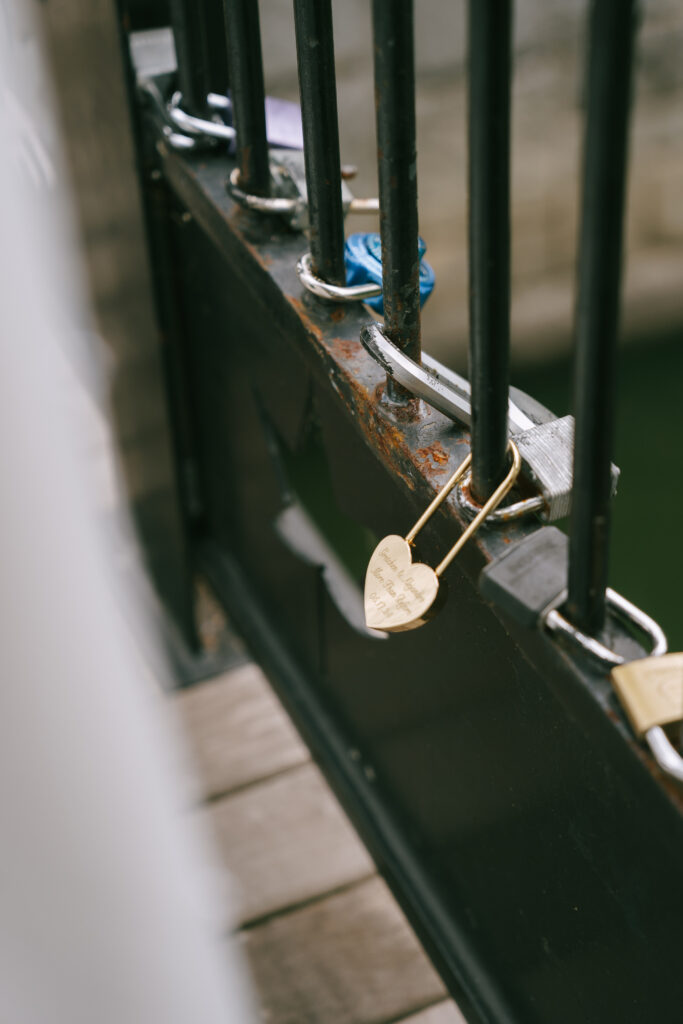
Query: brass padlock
point(401, 594)
point(651, 691)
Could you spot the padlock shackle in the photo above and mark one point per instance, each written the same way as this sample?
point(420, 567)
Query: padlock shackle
point(333, 292)
point(489, 505)
point(664, 752)
point(194, 125)
point(556, 622)
point(436, 384)
point(486, 508)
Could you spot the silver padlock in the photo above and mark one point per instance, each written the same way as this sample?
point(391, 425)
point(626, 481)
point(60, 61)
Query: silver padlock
point(290, 194)
point(546, 444)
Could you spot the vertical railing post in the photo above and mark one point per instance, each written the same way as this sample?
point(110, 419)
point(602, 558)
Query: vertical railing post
point(490, 45)
point(318, 90)
point(200, 66)
point(248, 94)
point(610, 59)
point(217, 48)
point(397, 175)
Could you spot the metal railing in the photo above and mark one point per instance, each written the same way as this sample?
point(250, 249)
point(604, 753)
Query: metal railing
point(599, 262)
point(362, 404)
point(202, 65)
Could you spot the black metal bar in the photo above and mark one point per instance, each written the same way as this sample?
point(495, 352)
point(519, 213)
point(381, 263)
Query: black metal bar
point(610, 60)
point(397, 173)
point(217, 47)
point(248, 94)
point(317, 85)
point(192, 52)
point(490, 30)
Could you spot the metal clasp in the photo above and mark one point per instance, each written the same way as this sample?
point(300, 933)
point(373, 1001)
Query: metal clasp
point(665, 754)
point(546, 448)
point(529, 583)
point(334, 292)
point(201, 127)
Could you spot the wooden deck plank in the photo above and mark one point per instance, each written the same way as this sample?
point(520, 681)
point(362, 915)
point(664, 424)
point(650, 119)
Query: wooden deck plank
point(238, 731)
point(286, 841)
point(326, 941)
point(349, 959)
point(442, 1013)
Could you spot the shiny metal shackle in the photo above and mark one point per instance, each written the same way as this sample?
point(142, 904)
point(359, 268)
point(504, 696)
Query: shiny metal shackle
point(263, 204)
point(293, 207)
point(545, 447)
point(438, 386)
point(333, 292)
point(200, 126)
point(160, 112)
point(288, 175)
point(553, 620)
point(504, 514)
point(663, 751)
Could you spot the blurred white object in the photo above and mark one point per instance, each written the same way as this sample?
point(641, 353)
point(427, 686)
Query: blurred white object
point(108, 909)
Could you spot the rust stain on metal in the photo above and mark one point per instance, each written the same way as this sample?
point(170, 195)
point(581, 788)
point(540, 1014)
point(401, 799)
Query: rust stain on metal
point(434, 452)
point(388, 438)
point(309, 324)
point(505, 516)
point(338, 314)
point(346, 348)
point(399, 412)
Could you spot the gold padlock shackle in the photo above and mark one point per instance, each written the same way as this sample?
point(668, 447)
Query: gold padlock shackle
point(486, 508)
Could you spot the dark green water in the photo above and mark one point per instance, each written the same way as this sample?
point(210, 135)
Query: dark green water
point(646, 563)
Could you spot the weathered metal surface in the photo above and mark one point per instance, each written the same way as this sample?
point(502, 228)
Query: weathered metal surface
point(493, 774)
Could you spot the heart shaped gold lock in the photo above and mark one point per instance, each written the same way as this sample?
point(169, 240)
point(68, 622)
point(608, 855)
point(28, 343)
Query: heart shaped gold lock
point(398, 594)
point(401, 594)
